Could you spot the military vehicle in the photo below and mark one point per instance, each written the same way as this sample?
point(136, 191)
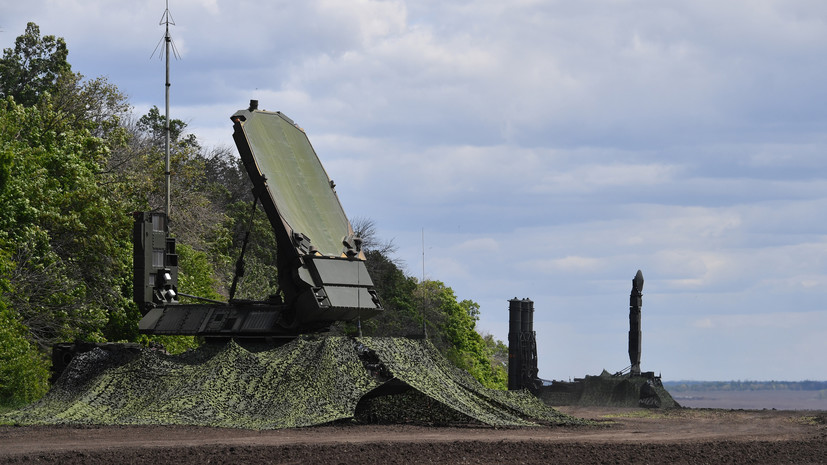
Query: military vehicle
point(321, 268)
point(629, 387)
point(522, 346)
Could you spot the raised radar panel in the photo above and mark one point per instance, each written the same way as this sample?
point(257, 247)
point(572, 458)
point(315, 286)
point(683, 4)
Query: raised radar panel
point(321, 267)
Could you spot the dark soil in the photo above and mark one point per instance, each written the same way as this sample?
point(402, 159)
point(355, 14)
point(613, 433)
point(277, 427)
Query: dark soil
point(621, 436)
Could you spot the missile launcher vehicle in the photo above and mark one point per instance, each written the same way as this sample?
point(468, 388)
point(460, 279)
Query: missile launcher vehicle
point(629, 387)
point(321, 268)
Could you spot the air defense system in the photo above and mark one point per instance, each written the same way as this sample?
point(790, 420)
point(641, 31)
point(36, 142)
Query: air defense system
point(294, 378)
point(629, 387)
point(322, 275)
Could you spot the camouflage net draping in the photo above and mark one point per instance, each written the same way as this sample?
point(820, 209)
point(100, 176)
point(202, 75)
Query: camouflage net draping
point(309, 381)
point(624, 391)
point(607, 390)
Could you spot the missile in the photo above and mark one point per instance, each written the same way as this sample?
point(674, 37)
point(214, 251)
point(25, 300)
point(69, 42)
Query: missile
point(635, 334)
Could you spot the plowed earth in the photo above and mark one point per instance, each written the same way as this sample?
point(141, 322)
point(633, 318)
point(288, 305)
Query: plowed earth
point(621, 436)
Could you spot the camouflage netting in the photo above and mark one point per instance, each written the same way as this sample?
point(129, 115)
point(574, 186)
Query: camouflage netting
point(310, 381)
point(624, 391)
point(607, 390)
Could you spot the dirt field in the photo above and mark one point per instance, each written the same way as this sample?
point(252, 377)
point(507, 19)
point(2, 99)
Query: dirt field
point(622, 436)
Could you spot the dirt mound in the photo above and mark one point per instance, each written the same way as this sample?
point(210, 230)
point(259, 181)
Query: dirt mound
point(310, 381)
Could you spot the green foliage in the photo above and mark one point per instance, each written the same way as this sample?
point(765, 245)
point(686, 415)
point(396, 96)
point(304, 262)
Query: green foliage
point(450, 324)
point(195, 274)
point(398, 294)
point(260, 275)
point(6, 159)
point(454, 332)
point(33, 67)
point(229, 183)
point(94, 105)
point(172, 344)
point(24, 371)
point(123, 318)
point(195, 277)
point(62, 231)
point(154, 125)
point(65, 238)
point(497, 353)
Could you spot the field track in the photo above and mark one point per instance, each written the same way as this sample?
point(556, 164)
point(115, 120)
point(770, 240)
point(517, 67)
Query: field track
point(623, 436)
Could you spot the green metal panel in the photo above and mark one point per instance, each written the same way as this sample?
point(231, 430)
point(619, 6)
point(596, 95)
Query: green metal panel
point(353, 298)
point(295, 180)
point(344, 272)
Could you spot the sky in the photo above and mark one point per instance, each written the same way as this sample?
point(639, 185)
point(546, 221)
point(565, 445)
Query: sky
point(537, 149)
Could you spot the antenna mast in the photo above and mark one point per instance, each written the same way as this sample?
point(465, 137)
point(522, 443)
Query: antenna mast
point(424, 328)
point(166, 20)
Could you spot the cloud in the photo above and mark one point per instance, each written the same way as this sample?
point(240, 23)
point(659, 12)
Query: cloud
point(779, 320)
point(565, 264)
point(704, 323)
point(588, 177)
point(479, 245)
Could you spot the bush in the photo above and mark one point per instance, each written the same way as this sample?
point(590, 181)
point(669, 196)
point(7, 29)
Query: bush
point(24, 371)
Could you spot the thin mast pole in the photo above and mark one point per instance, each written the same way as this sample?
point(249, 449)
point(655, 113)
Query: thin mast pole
point(423, 255)
point(167, 40)
point(424, 328)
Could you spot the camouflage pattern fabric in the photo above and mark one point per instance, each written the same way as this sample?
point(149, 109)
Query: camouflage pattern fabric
point(312, 380)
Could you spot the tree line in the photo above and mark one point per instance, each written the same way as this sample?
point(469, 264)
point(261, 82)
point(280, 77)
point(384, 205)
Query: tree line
point(684, 386)
point(75, 163)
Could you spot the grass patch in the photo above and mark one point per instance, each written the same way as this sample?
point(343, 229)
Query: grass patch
point(811, 420)
point(6, 408)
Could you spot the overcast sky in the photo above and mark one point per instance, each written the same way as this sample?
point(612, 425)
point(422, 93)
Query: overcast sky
point(547, 149)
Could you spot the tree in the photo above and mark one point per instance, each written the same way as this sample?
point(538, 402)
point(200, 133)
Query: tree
point(65, 238)
point(450, 324)
point(365, 229)
point(497, 349)
point(62, 231)
point(23, 369)
point(260, 274)
point(452, 329)
point(154, 125)
point(79, 170)
point(95, 105)
point(33, 67)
